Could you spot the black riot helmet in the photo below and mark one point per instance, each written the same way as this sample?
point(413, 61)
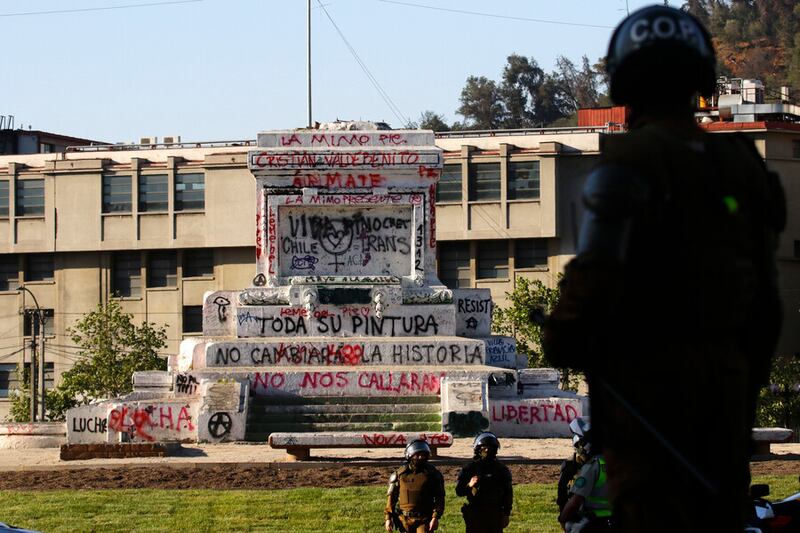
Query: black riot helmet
point(659, 55)
point(486, 440)
point(417, 446)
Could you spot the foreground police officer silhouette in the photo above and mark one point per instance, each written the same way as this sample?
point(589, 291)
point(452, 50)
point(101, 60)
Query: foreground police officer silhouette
point(671, 305)
point(486, 483)
point(415, 499)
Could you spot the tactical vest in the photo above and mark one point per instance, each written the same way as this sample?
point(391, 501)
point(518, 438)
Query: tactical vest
point(597, 502)
point(415, 491)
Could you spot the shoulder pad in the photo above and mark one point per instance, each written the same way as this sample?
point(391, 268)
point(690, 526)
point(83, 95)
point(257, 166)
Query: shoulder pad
point(615, 191)
point(393, 477)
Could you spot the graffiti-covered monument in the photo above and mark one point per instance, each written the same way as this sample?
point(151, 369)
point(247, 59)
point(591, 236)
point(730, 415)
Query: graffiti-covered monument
point(347, 326)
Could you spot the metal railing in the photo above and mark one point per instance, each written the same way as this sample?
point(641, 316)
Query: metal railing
point(610, 127)
point(159, 146)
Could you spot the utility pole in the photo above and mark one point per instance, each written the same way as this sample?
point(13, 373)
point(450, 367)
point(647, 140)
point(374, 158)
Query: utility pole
point(42, 407)
point(310, 123)
point(33, 366)
point(37, 318)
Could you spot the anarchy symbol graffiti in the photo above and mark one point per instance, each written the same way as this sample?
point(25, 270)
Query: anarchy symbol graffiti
point(219, 425)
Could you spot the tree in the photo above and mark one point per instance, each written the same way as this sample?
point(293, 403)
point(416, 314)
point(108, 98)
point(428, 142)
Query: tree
point(110, 349)
point(528, 296)
point(429, 120)
point(519, 92)
point(480, 103)
point(779, 403)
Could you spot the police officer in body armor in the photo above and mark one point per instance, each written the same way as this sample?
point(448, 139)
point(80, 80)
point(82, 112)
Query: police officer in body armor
point(486, 483)
point(415, 499)
point(671, 305)
point(587, 510)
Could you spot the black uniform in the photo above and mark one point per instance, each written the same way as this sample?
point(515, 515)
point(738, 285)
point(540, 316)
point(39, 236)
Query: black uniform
point(671, 307)
point(489, 502)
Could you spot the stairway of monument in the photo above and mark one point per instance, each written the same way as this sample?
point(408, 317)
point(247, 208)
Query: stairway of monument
point(342, 413)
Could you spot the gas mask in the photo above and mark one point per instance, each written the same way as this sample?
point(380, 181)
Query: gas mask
point(487, 453)
point(418, 460)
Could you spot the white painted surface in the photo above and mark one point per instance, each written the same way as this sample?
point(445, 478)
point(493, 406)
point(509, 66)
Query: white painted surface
point(219, 313)
point(344, 139)
point(352, 352)
point(380, 439)
point(535, 418)
point(153, 421)
point(223, 410)
point(88, 424)
point(501, 351)
point(338, 321)
point(473, 312)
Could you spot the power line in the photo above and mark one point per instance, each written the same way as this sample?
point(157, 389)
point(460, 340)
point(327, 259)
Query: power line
point(384, 95)
point(494, 15)
point(108, 8)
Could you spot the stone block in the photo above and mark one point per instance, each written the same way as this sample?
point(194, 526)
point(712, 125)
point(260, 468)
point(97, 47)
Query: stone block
point(219, 312)
point(534, 418)
point(347, 439)
point(473, 312)
point(88, 424)
point(152, 381)
point(352, 352)
point(153, 421)
point(324, 139)
point(500, 351)
point(223, 410)
point(338, 321)
point(465, 409)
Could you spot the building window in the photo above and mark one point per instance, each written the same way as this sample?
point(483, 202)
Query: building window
point(162, 269)
point(530, 253)
point(796, 149)
point(484, 181)
point(523, 180)
point(192, 318)
point(153, 193)
point(30, 198)
point(492, 259)
point(8, 379)
point(454, 264)
point(449, 187)
point(190, 192)
point(127, 274)
point(30, 315)
point(198, 263)
point(117, 194)
point(9, 272)
point(39, 267)
point(47, 148)
point(796, 249)
point(4, 204)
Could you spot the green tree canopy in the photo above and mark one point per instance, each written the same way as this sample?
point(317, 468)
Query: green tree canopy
point(111, 347)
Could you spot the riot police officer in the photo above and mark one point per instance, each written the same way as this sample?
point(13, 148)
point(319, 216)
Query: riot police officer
point(486, 483)
point(671, 305)
point(588, 509)
point(415, 499)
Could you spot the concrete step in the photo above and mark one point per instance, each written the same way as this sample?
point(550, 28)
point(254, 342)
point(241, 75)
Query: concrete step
point(257, 401)
point(258, 421)
point(346, 408)
point(264, 431)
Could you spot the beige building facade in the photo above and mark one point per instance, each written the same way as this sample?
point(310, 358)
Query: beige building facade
point(158, 226)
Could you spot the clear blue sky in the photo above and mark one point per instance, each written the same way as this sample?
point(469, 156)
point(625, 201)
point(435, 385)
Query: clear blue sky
point(226, 69)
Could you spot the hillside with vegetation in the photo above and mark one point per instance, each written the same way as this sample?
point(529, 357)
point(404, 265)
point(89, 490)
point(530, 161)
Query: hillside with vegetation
point(754, 39)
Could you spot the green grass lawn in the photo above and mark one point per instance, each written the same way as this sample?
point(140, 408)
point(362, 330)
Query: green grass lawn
point(296, 510)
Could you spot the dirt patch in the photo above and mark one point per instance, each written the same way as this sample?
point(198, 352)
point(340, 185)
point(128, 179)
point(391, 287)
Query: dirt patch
point(271, 476)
